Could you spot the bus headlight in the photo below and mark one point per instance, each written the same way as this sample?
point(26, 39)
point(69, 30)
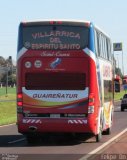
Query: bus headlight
point(28, 64)
point(37, 63)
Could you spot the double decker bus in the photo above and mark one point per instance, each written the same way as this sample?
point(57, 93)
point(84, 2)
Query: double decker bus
point(64, 78)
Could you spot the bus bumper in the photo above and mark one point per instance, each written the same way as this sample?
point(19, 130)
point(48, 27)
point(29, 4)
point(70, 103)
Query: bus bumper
point(41, 125)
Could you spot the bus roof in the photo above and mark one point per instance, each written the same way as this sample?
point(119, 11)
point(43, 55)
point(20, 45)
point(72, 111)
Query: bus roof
point(56, 21)
point(101, 31)
point(63, 22)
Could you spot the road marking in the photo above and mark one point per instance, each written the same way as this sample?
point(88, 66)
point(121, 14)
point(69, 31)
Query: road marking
point(18, 140)
point(102, 146)
point(7, 125)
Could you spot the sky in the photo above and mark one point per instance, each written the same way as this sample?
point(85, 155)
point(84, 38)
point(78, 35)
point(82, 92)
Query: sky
point(109, 15)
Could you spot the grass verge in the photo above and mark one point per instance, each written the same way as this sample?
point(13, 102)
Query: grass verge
point(7, 108)
point(7, 112)
point(119, 95)
point(9, 94)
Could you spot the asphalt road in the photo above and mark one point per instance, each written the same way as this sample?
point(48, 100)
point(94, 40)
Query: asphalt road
point(58, 146)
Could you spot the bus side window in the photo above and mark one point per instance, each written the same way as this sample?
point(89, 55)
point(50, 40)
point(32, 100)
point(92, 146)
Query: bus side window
point(108, 48)
point(96, 42)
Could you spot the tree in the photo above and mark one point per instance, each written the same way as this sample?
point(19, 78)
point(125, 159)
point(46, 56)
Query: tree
point(2, 61)
point(12, 79)
point(7, 71)
point(2, 64)
point(118, 72)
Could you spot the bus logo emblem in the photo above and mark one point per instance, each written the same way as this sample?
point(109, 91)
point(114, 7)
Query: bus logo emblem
point(55, 63)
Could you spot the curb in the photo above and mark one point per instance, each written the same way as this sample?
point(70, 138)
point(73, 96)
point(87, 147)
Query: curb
point(6, 125)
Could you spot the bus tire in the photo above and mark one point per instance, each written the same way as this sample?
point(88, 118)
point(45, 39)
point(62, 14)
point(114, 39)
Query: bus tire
point(122, 109)
point(31, 139)
point(108, 131)
point(98, 137)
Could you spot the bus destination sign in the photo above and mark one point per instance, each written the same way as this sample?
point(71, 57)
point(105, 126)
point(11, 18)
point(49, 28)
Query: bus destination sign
point(55, 37)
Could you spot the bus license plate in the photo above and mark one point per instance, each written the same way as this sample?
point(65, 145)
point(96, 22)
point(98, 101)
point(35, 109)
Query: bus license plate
point(54, 115)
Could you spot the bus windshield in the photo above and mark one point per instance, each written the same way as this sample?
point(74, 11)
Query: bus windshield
point(54, 37)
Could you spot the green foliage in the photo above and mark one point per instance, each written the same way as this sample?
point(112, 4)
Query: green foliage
point(11, 93)
point(7, 107)
point(119, 95)
point(8, 71)
point(7, 112)
point(11, 79)
point(118, 72)
point(2, 61)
